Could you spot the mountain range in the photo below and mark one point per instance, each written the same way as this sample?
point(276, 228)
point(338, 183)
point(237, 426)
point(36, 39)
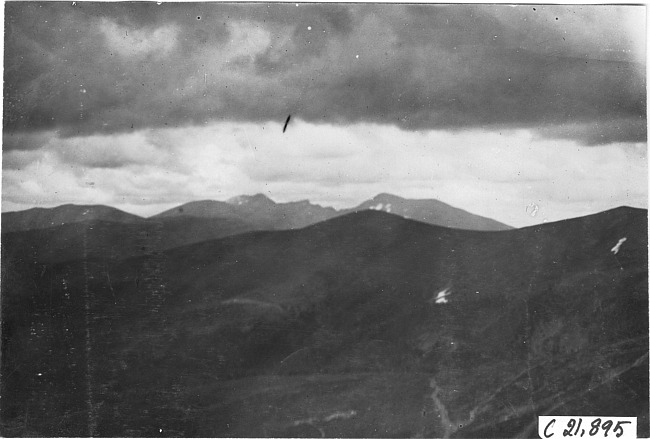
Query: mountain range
point(68, 231)
point(364, 324)
point(256, 212)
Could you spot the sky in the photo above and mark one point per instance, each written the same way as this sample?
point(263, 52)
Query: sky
point(523, 114)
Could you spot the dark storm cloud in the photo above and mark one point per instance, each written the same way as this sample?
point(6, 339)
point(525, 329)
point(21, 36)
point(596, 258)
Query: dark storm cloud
point(567, 72)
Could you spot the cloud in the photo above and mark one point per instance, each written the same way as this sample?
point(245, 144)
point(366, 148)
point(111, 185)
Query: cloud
point(94, 151)
point(496, 175)
point(140, 42)
point(562, 71)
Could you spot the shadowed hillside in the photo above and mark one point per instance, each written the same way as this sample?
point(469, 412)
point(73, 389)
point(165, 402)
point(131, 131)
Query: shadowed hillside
point(364, 325)
point(108, 240)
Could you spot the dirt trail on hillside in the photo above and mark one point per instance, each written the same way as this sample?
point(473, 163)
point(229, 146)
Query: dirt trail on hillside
point(442, 410)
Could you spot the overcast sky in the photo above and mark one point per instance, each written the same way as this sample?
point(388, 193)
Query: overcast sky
point(522, 114)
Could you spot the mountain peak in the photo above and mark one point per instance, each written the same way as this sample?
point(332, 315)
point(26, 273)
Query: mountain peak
point(385, 197)
point(248, 199)
point(430, 211)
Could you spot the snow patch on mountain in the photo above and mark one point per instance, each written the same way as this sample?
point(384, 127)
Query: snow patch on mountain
point(381, 206)
point(441, 297)
point(617, 247)
point(239, 200)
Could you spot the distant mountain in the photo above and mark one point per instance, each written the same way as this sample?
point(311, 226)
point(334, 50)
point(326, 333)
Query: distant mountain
point(250, 212)
point(258, 210)
point(364, 325)
point(201, 209)
point(41, 218)
point(264, 214)
point(430, 211)
point(256, 201)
